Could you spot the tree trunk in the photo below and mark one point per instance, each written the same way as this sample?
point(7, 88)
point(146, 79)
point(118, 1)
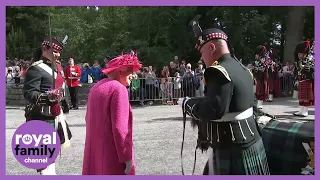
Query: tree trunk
point(294, 34)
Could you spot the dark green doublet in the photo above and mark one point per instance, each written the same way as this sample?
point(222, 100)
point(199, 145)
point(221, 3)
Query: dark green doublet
point(228, 90)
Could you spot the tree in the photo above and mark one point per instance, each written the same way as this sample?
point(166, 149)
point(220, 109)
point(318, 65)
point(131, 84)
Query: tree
point(158, 33)
point(294, 31)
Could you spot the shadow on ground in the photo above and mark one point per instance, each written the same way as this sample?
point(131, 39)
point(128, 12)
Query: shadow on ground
point(292, 117)
point(286, 101)
point(170, 119)
point(311, 112)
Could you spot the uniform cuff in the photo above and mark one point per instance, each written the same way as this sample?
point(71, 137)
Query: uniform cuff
point(189, 107)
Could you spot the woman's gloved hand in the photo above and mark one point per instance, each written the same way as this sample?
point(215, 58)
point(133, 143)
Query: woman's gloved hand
point(128, 167)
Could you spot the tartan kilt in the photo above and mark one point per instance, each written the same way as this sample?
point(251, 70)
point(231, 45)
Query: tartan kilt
point(270, 85)
point(239, 161)
point(283, 145)
point(260, 90)
point(306, 90)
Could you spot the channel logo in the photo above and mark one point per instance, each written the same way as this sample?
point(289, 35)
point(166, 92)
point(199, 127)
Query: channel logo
point(36, 144)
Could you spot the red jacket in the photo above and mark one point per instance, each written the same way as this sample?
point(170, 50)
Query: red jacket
point(73, 74)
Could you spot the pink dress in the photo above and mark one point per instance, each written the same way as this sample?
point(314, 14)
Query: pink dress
point(109, 140)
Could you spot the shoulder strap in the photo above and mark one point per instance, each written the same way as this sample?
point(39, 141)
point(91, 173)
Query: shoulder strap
point(37, 62)
point(46, 68)
point(222, 70)
point(59, 81)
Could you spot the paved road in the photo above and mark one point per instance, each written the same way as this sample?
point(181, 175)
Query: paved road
point(157, 139)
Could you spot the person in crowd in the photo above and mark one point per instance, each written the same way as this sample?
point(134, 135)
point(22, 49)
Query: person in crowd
point(96, 71)
point(136, 92)
point(169, 91)
point(177, 86)
point(72, 76)
point(182, 69)
point(199, 72)
point(150, 77)
point(172, 69)
point(165, 74)
point(24, 69)
point(188, 82)
point(17, 75)
point(86, 74)
point(10, 76)
point(176, 62)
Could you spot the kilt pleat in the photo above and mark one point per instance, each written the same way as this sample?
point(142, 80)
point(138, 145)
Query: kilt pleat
point(306, 91)
point(236, 161)
point(269, 86)
point(255, 160)
point(260, 90)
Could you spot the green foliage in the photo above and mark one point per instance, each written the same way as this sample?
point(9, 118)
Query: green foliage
point(16, 43)
point(157, 33)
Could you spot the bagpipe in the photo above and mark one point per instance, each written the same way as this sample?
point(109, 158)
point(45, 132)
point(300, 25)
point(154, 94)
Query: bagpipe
point(259, 69)
point(265, 65)
point(306, 65)
point(311, 50)
point(270, 65)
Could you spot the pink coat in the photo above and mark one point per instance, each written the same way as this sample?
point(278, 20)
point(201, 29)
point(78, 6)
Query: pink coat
point(109, 141)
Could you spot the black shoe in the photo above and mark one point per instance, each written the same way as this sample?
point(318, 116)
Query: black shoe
point(75, 108)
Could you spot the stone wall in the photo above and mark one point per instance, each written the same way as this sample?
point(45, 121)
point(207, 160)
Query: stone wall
point(14, 95)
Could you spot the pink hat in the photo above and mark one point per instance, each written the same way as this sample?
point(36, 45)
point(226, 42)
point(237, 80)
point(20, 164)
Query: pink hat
point(123, 61)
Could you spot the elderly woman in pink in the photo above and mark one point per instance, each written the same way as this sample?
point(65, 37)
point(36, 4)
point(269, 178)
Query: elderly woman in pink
point(109, 140)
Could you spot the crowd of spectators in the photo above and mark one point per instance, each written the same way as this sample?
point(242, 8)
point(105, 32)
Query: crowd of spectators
point(175, 80)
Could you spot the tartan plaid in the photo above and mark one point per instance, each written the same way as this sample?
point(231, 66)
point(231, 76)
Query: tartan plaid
point(283, 144)
point(51, 122)
point(269, 86)
point(276, 92)
point(260, 90)
point(239, 161)
point(306, 90)
point(59, 130)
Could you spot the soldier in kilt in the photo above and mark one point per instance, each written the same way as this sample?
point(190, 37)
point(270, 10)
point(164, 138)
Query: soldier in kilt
point(305, 77)
point(224, 117)
point(45, 95)
point(270, 75)
point(260, 75)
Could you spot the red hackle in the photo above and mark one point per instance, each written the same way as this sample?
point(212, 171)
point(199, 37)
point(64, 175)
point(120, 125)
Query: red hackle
point(307, 42)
